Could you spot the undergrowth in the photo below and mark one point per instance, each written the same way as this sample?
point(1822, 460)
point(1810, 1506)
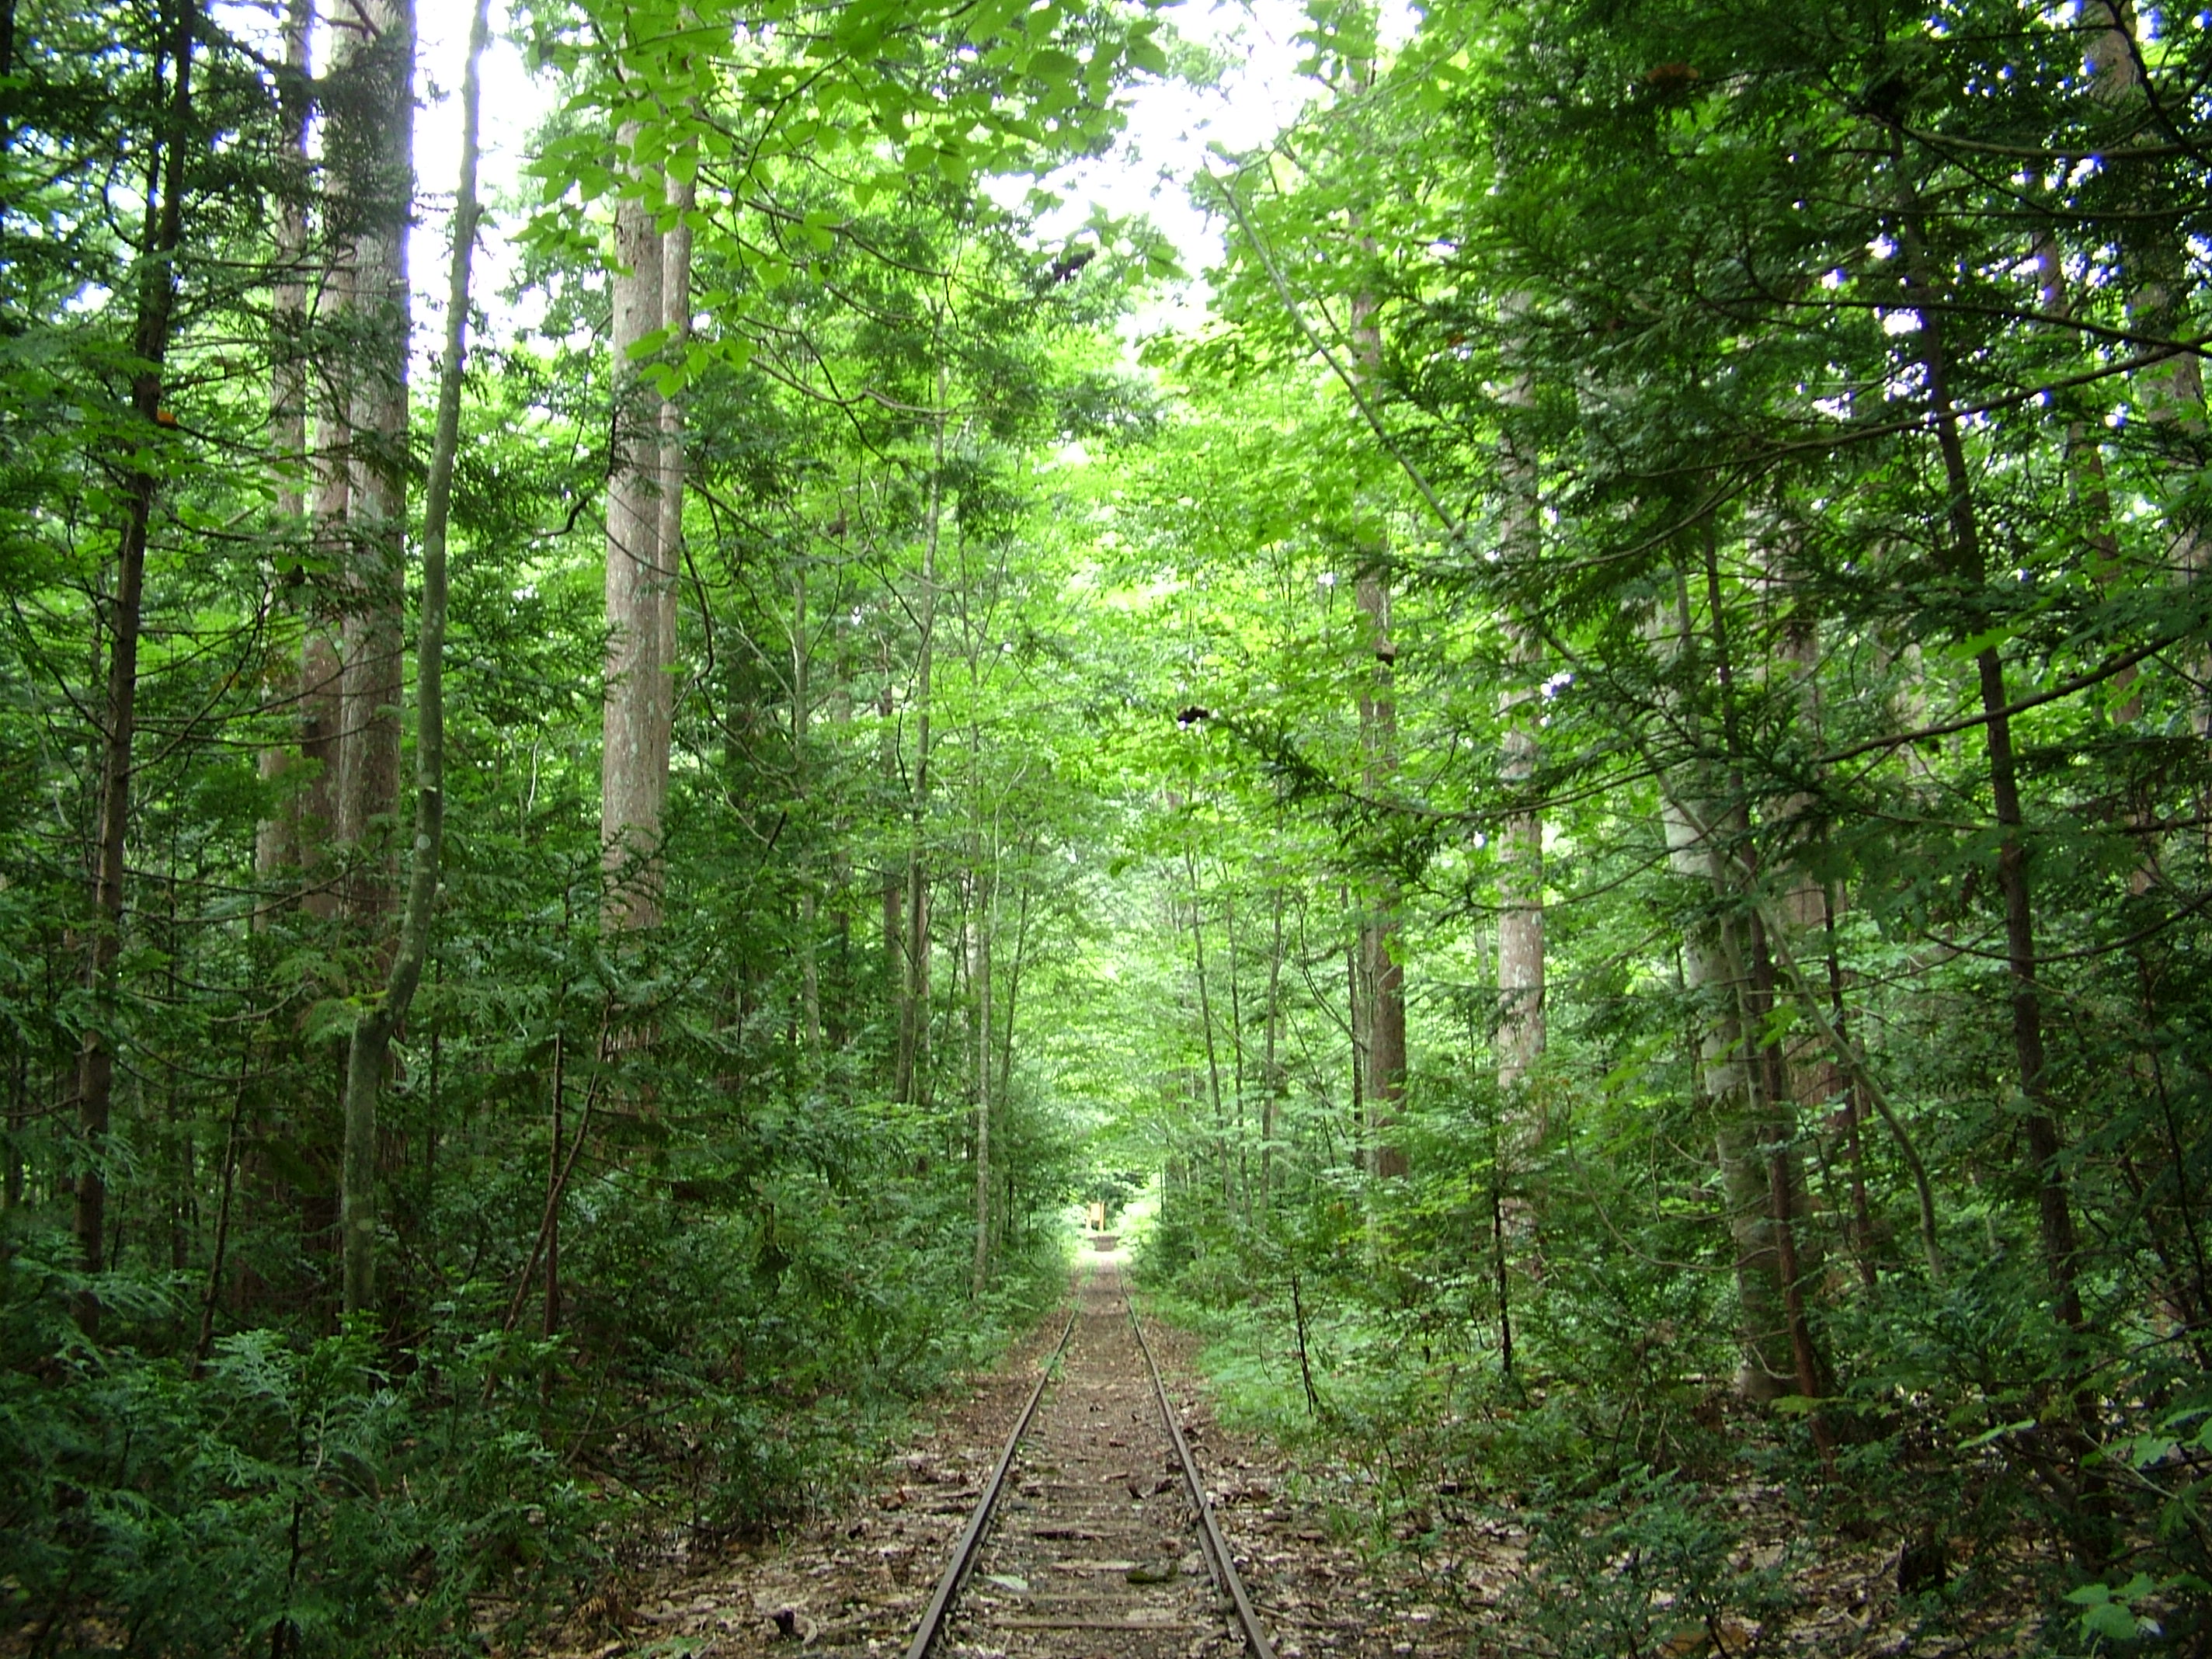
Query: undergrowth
point(343, 1494)
point(1658, 1513)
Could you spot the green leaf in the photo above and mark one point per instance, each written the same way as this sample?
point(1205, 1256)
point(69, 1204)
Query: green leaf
point(2146, 1450)
point(1053, 64)
point(992, 16)
point(2110, 1619)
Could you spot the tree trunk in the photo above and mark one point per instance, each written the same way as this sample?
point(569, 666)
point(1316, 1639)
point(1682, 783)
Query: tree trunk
point(810, 982)
point(373, 129)
point(1521, 1027)
point(1357, 1006)
point(1736, 877)
point(668, 531)
point(2085, 468)
point(914, 997)
point(1379, 951)
point(985, 901)
point(1751, 1124)
point(554, 1165)
point(891, 877)
point(1275, 1077)
point(1206, 1022)
point(321, 671)
point(1237, 1083)
point(1521, 1023)
point(2040, 1123)
point(634, 751)
point(277, 849)
point(1014, 986)
point(2171, 392)
point(372, 1036)
point(1743, 1132)
point(157, 297)
point(837, 1024)
point(1808, 1075)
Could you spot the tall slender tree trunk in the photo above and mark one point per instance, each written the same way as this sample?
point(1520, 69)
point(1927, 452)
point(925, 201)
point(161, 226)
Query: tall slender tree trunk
point(1809, 1075)
point(1240, 1135)
point(555, 1162)
point(2085, 466)
point(1205, 1021)
point(2170, 393)
point(277, 841)
point(1712, 974)
point(802, 698)
point(333, 365)
point(372, 126)
point(1275, 1073)
point(1752, 1125)
point(1520, 1023)
point(634, 749)
point(321, 671)
point(156, 305)
point(372, 133)
point(1772, 1102)
point(914, 950)
point(891, 876)
point(1382, 966)
point(913, 999)
point(1520, 1026)
point(1357, 1006)
point(1013, 979)
point(1967, 566)
point(668, 530)
point(371, 1036)
point(982, 919)
point(837, 1024)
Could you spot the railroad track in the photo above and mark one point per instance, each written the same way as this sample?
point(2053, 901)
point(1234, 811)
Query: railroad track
point(1093, 1534)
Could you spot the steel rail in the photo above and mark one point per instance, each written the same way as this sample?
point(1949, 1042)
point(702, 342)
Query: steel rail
point(971, 1536)
point(1218, 1561)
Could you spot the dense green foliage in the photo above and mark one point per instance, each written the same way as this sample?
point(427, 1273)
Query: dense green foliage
point(1800, 407)
point(1718, 494)
point(663, 1247)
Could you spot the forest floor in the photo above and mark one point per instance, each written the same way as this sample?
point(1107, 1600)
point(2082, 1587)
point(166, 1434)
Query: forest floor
point(854, 1583)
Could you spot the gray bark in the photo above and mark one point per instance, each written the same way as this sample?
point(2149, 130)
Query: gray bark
point(373, 132)
point(1382, 966)
point(371, 1036)
point(1521, 1027)
point(810, 983)
point(980, 923)
point(914, 990)
point(276, 840)
point(1751, 1124)
point(639, 582)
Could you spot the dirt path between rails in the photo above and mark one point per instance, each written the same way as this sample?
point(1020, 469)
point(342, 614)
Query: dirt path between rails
point(1093, 1549)
point(854, 1585)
